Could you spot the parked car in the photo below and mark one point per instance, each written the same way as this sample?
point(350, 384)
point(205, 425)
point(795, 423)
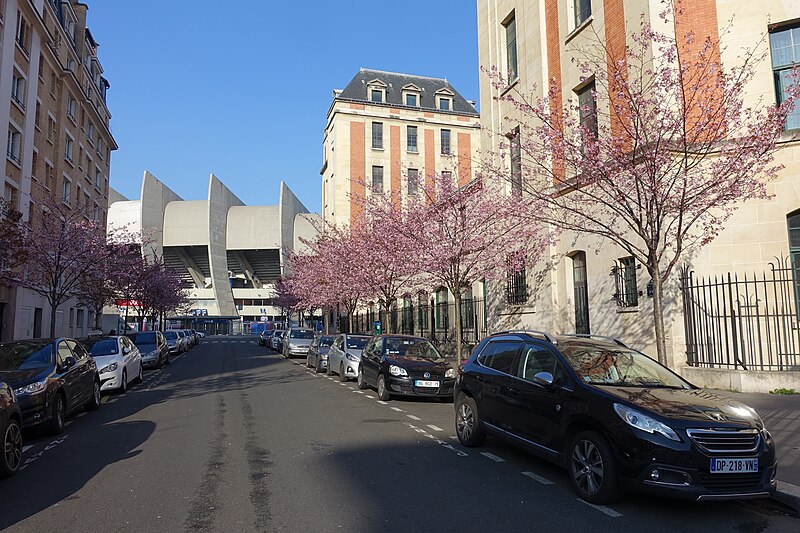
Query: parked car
point(10, 432)
point(153, 347)
point(405, 365)
point(345, 355)
point(196, 335)
point(201, 334)
point(118, 360)
point(174, 341)
point(275, 340)
point(51, 378)
point(296, 341)
point(615, 418)
point(184, 340)
point(318, 352)
point(193, 340)
point(263, 338)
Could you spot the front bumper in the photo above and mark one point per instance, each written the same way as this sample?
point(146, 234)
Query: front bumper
point(35, 409)
point(406, 386)
point(299, 351)
point(111, 380)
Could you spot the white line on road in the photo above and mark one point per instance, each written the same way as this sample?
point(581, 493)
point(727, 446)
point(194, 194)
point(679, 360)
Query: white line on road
point(412, 417)
point(540, 479)
point(343, 384)
point(397, 409)
point(359, 391)
point(382, 402)
point(493, 457)
point(371, 397)
point(603, 509)
point(438, 441)
point(435, 428)
point(80, 414)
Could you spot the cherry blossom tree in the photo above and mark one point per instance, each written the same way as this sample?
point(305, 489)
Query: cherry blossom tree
point(669, 145)
point(285, 299)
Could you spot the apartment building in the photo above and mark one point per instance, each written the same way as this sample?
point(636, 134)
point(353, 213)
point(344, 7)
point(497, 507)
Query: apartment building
point(53, 91)
point(387, 132)
point(534, 43)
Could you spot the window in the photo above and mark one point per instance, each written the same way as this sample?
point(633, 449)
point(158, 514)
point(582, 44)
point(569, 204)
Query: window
point(53, 84)
point(35, 165)
point(49, 176)
point(537, 359)
point(516, 287)
point(66, 191)
point(377, 95)
point(37, 119)
point(411, 138)
point(793, 225)
point(69, 145)
point(442, 310)
point(377, 180)
point(22, 32)
point(583, 10)
point(51, 129)
point(627, 294)
point(97, 178)
point(413, 181)
point(516, 162)
point(445, 142)
point(412, 100)
point(377, 135)
point(445, 104)
point(14, 145)
point(447, 176)
point(90, 133)
point(511, 48)
point(18, 89)
point(100, 146)
point(785, 51)
point(588, 112)
point(71, 106)
point(10, 195)
point(500, 355)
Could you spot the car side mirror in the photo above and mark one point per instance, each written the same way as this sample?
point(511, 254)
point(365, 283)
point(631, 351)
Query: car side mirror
point(68, 363)
point(125, 350)
point(545, 379)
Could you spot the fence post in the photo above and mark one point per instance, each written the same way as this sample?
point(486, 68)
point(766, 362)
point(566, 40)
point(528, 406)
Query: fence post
point(433, 320)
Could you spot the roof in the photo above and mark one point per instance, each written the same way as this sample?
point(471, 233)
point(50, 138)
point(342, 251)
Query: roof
point(356, 90)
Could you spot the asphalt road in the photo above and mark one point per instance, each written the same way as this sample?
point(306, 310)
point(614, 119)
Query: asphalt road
point(232, 437)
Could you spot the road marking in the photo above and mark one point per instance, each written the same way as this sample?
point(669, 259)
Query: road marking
point(80, 414)
point(493, 457)
point(371, 397)
point(540, 479)
point(438, 441)
point(397, 409)
point(359, 391)
point(435, 428)
point(382, 402)
point(412, 417)
point(351, 387)
point(343, 384)
point(26, 448)
point(603, 509)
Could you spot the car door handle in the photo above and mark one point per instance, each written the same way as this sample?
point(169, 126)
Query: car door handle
point(513, 391)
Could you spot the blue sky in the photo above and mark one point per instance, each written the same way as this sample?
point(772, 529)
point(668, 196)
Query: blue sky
point(241, 88)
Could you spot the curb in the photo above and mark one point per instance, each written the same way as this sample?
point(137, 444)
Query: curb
point(788, 494)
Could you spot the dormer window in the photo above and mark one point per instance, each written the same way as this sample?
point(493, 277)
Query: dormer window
point(376, 91)
point(411, 95)
point(444, 100)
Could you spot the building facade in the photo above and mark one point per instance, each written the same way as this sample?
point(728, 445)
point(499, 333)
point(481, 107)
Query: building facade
point(535, 42)
point(59, 141)
point(387, 132)
point(229, 255)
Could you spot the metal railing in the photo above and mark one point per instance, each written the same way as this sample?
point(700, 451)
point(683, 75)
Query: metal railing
point(747, 322)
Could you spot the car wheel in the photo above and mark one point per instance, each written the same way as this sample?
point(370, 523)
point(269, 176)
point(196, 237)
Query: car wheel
point(342, 375)
point(12, 449)
point(329, 370)
point(591, 468)
point(360, 381)
point(94, 402)
point(123, 387)
point(169, 359)
point(383, 394)
point(308, 361)
point(468, 423)
point(59, 412)
point(140, 377)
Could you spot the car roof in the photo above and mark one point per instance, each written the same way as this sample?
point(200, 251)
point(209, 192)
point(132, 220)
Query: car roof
point(565, 339)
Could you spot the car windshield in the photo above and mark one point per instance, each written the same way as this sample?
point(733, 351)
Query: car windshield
point(301, 334)
point(101, 347)
point(25, 356)
point(605, 365)
point(143, 338)
point(357, 343)
point(410, 347)
point(326, 341)
point(170, 335)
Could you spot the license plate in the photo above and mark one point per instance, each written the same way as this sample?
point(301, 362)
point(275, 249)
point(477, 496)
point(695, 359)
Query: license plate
point(733, 466)
point(432, 384)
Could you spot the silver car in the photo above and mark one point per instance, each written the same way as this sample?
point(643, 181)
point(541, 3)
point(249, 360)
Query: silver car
point(275, 339)
point(345, 355)
point(318, 352)
point(296, 342)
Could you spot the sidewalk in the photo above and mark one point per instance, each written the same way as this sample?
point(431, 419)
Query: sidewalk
point(781, 416)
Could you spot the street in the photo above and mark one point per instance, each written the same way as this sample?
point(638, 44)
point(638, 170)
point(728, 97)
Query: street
point(232, 437)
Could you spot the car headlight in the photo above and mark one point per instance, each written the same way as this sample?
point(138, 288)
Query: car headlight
point(451, 373)
point(152, 354)
point(397, 370)
point(108, 368)
point(292, 345)
point(636, 419)
point(32, 388)
point(351, 357)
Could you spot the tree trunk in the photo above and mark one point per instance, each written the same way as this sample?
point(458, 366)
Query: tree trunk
point(658, 315)
point(459, 326)
point(53, 311)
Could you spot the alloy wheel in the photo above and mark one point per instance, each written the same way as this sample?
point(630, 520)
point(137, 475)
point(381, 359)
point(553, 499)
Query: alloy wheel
point(587, 467)
point(465, 423)
point(12, 446)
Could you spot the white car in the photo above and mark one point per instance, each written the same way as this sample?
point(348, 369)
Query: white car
point(118, 361)
point(345, 355)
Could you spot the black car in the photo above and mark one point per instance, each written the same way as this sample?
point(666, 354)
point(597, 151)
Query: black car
point(51, 378)
point(317, 357)
point(10, 432)
point(615, 418)
point(153, 347)
point(263, 338)
point(405, 365)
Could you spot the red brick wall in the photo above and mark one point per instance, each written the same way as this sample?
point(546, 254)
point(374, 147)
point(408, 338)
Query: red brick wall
point(554, 71)
point(614, 18)
point(396, 182)
point(464, 158)
point(357, 169)
point(430, 156)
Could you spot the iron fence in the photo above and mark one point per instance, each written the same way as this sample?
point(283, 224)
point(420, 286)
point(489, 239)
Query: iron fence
point(747, 322)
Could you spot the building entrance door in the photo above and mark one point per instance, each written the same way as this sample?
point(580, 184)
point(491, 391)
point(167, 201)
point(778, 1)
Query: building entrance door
point(37, 322)
point(581, 293)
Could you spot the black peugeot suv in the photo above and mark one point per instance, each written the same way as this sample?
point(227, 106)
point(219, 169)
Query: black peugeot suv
point(615, 418)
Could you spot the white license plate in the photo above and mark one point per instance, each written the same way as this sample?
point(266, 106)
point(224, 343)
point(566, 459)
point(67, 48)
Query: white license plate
point(733, 466)
point(432, 384)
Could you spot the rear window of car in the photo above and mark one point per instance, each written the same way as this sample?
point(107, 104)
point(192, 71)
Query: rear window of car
point(101, 347)
point(171, 335)
point(301, 334)
point(326, 341)
point(143, 338)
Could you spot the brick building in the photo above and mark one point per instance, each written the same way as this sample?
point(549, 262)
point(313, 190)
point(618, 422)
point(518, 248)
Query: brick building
point(59, 143)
